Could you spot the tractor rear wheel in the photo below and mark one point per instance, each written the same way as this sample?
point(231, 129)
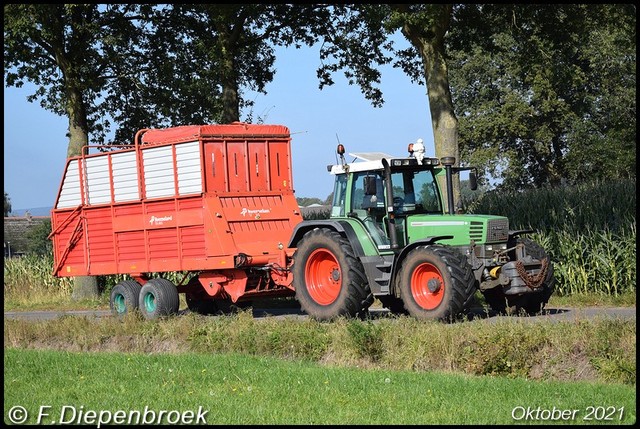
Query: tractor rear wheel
point(328, 278)
point(435, 282)
point(158, 298)
point(124, 297)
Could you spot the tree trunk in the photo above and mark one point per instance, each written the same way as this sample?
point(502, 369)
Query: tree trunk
point(229, 78)
point(430, 43)
point(84, 287)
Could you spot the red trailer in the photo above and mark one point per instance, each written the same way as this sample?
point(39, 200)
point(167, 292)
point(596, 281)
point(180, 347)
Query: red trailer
point(216, 201)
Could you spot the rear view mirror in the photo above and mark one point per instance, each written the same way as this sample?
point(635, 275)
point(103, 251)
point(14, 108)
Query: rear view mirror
point(473, 180)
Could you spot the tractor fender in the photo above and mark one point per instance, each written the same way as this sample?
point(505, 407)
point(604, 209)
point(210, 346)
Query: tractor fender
point(341, 227)
point(408, 248)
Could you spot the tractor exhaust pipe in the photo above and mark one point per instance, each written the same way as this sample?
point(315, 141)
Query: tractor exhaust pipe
point(448, 162)
point(393, 234)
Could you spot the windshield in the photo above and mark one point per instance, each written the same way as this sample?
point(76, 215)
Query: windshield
point(415, 192)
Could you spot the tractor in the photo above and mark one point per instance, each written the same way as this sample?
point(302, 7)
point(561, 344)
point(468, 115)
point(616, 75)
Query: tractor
point(394, 234)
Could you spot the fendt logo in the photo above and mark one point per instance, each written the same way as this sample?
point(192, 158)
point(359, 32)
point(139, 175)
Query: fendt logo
point(159, 220)
point(245, 211)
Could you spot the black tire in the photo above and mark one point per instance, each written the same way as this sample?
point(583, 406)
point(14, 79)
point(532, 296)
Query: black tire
point(158, 298)
point(124, 297)
point(393, 304)
point(435, 282)
point(328, 278)
point(534, 302)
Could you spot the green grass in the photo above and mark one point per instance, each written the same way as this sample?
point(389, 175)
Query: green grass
point(579, 300)
point(240, 389)
point(602, 350)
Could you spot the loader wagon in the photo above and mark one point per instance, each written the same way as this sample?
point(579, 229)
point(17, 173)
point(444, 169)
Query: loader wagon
point(215, 202)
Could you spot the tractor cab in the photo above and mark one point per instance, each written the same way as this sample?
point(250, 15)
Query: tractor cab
point(384, 191)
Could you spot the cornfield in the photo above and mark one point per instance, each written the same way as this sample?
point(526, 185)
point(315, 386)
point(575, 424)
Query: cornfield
point(32, 275)
point(589, 231)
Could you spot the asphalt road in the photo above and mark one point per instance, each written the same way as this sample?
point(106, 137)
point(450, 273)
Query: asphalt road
point(550, 314)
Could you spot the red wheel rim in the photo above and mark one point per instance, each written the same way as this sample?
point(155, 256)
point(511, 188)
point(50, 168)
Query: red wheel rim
point(323, 276)
point(427, 286)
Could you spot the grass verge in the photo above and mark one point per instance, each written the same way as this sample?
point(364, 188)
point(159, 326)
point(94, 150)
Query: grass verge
point(602, 350)
point(240, 389)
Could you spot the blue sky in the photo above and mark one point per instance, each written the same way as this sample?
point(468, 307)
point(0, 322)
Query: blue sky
point(35, 144)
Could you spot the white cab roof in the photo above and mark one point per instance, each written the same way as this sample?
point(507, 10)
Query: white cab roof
point(370, 161)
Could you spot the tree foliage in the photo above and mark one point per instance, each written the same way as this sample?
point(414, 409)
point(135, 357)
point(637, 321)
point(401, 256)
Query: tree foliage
point(38, 242)
point(7, 205)
point(545, 93)
point(307, 201)
point(533, 94)
point(114, 68)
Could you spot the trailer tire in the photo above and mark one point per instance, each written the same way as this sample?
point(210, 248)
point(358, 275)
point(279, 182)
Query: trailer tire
point(534, 302)
point(124, 297)
point(328, 278)
point(435, 282)
point(158, 298)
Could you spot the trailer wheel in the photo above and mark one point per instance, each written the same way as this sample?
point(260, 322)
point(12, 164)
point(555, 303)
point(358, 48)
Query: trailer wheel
point(328, 278)
point(435, 282)
point(159, 297)
point(534, 302)
point(124, 297)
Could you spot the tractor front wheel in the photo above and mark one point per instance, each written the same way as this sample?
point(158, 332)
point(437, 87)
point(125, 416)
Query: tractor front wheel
point(328, 278)
point(435, 282)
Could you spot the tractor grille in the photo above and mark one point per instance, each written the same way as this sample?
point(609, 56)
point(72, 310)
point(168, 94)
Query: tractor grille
point(497, 230)
point(476, 231)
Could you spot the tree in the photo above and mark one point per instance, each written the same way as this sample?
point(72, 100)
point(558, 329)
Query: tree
point(38, 242)
point(75, 54)
point(537, 89)
point(546, 93)
point(360, 43)
point(225, 49)
point(7, 205)
point(307, 201)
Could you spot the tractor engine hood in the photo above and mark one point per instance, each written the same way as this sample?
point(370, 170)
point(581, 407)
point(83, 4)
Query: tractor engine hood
point(479, 229)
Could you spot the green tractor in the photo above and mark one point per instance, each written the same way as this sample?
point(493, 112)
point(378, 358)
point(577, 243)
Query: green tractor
point(391, 236)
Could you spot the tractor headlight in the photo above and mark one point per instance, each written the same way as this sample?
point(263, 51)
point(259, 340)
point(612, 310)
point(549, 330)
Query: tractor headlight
point(496, 247)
